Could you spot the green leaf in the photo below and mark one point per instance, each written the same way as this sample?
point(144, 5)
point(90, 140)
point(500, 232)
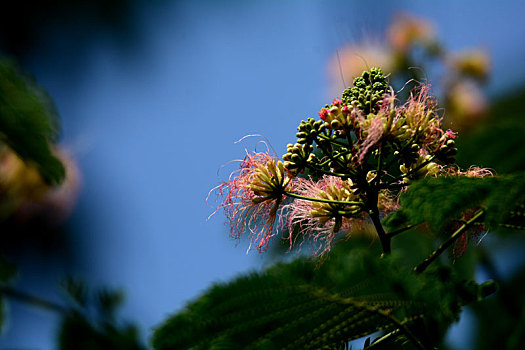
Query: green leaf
point(301, 306)
point(440, 200)
point(28, 121)
point(77, 333)
point(92, 322)
point(76, 289)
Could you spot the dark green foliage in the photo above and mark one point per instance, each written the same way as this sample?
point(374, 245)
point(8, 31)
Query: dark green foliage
point(28, 121)
point(501, 319)
point(498, 146)
point(299, 306)
point(76, 290)
point(368, 90)
point(77, 333)
point(90, 322)
point(440, 200)
point(498, 142)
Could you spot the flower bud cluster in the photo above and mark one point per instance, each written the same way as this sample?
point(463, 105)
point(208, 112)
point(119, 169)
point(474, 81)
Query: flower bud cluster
point(309, 130)
point(297, 157)
point(368, 91)
point(338, 116)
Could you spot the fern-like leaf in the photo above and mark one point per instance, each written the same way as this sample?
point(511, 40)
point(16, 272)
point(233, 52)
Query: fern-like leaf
point(440, 200)
point(296, 306)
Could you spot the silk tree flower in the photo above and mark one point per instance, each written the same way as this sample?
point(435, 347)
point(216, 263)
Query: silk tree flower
point(473, 171)
point(322, 221)
point(423, 125)
point(417, 127)
point(466, 104)
point(253, 196)
point(474, 63)
point(407, 30)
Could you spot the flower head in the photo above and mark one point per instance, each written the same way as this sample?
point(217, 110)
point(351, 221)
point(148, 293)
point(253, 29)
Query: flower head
point(473, 63)
point(466, 104)
point(253, 195)
point(407, 30)
point(333, 210)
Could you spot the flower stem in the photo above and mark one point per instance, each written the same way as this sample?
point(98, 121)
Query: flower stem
point(401, 230)
point(334, 141)
point(422, 267)
point(335, 157)
point(298, 196)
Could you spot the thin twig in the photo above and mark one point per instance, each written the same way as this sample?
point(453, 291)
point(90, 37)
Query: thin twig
point(334, 141)
point(401, 230)
point(417, 168)
point(421, 267)
point(383, 338)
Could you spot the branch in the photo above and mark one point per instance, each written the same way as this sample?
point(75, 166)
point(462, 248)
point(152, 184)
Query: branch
point(31, 299)
point(421, 267)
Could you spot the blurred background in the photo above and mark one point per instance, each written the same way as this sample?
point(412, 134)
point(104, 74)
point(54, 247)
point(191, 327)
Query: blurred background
point(153, 95)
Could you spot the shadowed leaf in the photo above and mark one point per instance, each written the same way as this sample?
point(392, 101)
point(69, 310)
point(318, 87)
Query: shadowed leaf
point(296, 306)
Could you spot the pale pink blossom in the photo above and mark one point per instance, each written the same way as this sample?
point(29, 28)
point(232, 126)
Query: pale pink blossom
point(407, 30)
point(319, 222)
point(375, 132)
point(473, 171)
point(248, 201)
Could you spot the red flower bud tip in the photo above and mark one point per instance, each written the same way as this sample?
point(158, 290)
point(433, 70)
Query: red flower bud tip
point(323, 113)
point(337, 102)
point(451, 134)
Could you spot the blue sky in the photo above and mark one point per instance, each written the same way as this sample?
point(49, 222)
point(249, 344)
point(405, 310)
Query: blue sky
point(152, 120)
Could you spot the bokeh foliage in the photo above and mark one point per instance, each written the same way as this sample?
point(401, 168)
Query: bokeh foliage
point(28, 121)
